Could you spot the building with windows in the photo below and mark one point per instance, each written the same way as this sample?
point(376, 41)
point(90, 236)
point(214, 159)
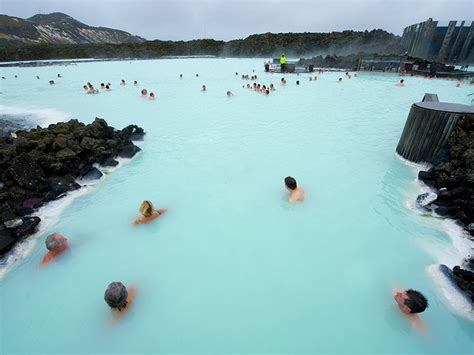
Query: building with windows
point(439, 41)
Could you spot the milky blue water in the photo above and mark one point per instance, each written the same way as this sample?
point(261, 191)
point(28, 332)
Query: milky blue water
point(232, 266)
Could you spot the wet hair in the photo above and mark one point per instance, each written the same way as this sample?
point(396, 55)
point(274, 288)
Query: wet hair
point(415, 301)
point(123, 81)
point(282, 79)
point(340, 79)
point(197, 75)
point(116, 295)
point(297, 82)
point(85, 87)
point(135, 82)
point(144, 91)
point(146, 208)
point(267, 92)
point(229, 93)
point(152, 94)
point(107, 87)
point(401, 81)
point(290, 182)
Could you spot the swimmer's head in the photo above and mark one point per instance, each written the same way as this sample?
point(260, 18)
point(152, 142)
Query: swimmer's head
point(290, 183)
point(107, 87)
point(146, 208)
point(401, 81)
point(267, 92)
point(55, 241)
point(144, 92)
point(135, 82)
point(102, 85)
point(116, 295)
point(152, 94)
point(340, 79)
point(229, 93)
point(297, 82)
point(85, 87)
point(411, 301)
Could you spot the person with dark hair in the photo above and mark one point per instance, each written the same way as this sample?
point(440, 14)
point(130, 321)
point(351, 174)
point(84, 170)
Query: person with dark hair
point(102, 85)
point(51, 82)
point(144, 92)
point(59, 76)
point(339, 80)
point(152, 96)
point(181, 76)
point(411, 301)
point(296, 192)
point(118, 297)
point(107, 87)
point(135, 82)
point(297, 82)
point(37, 77)
point(400, 84)
point(203, 88)
point(122, 82)
point(229, 94)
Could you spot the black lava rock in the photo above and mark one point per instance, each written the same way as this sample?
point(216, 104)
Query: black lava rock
point(28, 227)
point(42, 164)
point(92, 174)
point(129, 151)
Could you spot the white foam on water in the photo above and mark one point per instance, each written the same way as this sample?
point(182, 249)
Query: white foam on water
point(457, 301)
point(40, 116)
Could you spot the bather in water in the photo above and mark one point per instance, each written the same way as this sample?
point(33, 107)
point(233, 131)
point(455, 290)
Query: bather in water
point(148, 213)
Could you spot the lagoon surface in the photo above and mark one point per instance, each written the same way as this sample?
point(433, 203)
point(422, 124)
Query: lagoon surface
point(232, 266)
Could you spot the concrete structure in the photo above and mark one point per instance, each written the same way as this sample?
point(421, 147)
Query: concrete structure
point(428, 127)
point(443, 42)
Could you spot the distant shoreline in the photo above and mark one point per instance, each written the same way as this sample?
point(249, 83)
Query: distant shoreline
point(50, 62)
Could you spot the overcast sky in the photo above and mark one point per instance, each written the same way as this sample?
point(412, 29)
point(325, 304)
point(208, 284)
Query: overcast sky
point(221, 19)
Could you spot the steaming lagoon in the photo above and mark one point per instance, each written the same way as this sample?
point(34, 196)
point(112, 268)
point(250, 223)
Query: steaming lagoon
point(232, 266)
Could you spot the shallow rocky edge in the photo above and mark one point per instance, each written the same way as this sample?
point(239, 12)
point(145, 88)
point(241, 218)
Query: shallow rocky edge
point(452, 181)
point(42, 165)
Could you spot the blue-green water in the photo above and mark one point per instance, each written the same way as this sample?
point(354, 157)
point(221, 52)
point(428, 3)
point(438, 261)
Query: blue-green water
point(232, 267)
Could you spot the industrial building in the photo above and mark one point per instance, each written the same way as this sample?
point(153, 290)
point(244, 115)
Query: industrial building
point(439, 41)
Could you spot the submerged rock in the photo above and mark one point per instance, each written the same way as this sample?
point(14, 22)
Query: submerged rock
point(116, 295)
point(425, 199)
point(110, 162)
point(92, 174)
point(129, 151)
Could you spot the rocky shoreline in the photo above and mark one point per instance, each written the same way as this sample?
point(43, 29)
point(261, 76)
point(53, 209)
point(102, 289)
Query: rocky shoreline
point(452, 181)
point(42, 165)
